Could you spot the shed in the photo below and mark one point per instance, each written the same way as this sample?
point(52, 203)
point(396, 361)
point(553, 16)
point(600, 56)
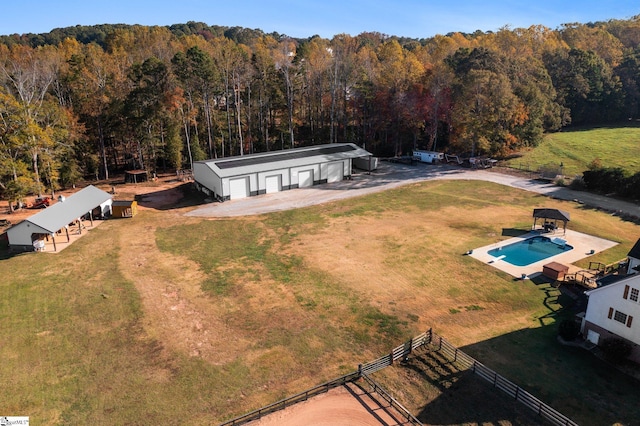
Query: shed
point(366, 163)
point(254, 174)
point(550, 218)
point(124, 208)
point(56, 218)
point(555, 271)
point(135, 176)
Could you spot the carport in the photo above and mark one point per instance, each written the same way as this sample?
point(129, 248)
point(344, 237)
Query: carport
point(33, 231)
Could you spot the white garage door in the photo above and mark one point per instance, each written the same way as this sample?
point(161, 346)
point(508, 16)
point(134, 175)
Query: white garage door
point(334, 172)
point(305, 178)
point(239, 188)
point(273, 184)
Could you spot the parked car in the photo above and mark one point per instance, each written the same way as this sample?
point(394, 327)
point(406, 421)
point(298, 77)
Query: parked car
point(40, 203)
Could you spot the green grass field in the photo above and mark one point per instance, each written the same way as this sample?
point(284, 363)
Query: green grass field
point(79, 347)
point(576, 148)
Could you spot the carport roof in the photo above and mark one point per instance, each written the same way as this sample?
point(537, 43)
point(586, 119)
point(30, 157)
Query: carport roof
point(273, 160)
point(62, 213)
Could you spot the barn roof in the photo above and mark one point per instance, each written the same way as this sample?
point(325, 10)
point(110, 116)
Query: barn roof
point(635, 250)
point(554, 214)
point(64, 212)
point(273, 160)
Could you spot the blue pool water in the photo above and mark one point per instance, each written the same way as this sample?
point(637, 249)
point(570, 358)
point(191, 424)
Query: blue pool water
point(530, 251)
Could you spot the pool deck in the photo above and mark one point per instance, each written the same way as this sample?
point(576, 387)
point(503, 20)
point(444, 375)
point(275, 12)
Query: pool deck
point(582, 245)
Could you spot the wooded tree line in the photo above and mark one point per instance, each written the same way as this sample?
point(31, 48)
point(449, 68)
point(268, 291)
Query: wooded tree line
point(89, 102)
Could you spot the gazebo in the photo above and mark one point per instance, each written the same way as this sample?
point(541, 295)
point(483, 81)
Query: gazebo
point(550, 219)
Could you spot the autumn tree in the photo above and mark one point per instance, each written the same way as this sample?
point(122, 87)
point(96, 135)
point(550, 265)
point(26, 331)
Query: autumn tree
point(486, 111)
point(585, 84)
point(28, 74)
point(284, 56)
point(397, 71)
point(146, 109)
point(269, 95)
point(195, 72)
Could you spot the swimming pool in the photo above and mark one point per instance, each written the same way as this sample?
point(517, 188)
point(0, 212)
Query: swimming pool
point(530, 251)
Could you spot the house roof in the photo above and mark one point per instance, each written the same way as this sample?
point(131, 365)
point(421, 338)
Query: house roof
point(635, 250)
point(554, 214)
point(273, 160)
point(64, 212)
point(628, 280)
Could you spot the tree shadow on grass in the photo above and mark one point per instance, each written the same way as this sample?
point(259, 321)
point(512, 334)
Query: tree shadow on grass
point(567, 378)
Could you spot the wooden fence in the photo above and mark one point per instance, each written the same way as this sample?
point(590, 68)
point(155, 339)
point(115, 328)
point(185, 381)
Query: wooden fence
point(410, 418)
point(499, 382)
point(403, 351)
point(287, 402)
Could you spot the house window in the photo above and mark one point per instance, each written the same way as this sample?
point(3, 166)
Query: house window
point(634, 294)
point(620, 317)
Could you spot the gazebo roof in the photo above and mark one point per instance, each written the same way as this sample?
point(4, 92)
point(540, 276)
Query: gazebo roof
point(554, 214)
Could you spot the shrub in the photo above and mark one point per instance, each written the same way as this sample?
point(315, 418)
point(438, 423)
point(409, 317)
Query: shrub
point(632, 187)
point(578, 183)
point(569, 329)
point(605, 180)
point(615, 349)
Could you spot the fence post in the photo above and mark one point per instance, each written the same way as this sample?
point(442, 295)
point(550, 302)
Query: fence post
point(406, 354)
point(430, 335)
point(359, 370)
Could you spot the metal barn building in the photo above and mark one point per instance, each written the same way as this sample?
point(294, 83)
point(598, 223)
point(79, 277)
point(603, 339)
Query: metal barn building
point(88, 201)
point(254, 174)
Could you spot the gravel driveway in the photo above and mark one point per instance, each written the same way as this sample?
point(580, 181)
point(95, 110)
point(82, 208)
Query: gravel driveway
point(392, 175)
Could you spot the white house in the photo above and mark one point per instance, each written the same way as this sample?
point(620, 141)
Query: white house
point(611, 310)
point(428, 156)
point(274, 171)
point(48, 222)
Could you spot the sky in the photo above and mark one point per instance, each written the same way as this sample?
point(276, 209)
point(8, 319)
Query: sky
point(305, 18)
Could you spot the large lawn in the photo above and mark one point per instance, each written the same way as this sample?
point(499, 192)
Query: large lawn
point(201, 320)
point(576, 148)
